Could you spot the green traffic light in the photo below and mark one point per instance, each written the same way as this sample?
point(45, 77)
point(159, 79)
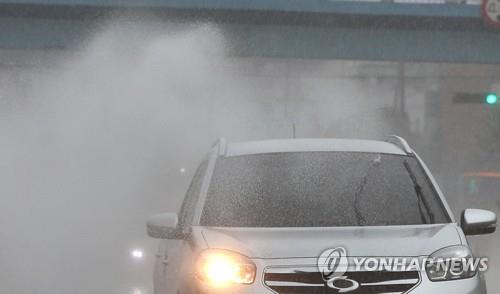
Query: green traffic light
point(492, 99)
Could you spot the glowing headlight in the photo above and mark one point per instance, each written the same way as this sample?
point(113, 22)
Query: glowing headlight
point(221, 268)
point(450, 263)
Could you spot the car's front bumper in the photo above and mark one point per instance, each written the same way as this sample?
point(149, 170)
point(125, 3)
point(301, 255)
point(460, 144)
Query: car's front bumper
point(474, 285)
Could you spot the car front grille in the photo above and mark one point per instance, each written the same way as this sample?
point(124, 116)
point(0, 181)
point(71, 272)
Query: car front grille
point(287, 280)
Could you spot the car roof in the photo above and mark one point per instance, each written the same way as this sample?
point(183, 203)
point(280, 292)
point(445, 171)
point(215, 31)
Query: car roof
point(311, 145)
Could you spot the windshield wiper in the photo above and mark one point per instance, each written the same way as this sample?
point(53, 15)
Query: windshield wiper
point(359, 216)
point(360, 219)
point(420, 195)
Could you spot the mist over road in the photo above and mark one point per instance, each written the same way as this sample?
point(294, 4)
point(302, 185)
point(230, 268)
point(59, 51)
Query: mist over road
point(112, 132)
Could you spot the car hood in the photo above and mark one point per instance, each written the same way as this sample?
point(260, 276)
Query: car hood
point(394, 241)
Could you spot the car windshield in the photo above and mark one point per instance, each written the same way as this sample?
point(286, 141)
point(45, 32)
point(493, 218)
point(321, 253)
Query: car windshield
point(320, 189)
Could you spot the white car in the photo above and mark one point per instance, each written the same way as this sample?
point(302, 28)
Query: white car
point(260, 216)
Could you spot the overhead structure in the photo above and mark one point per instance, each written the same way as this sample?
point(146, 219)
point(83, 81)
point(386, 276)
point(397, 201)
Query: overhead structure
point(320, 29)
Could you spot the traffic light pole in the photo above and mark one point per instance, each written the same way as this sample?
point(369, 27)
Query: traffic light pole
point(400, 95)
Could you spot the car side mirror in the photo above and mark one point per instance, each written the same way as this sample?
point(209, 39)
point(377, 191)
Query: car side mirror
point(478, 222)
point(164, 226)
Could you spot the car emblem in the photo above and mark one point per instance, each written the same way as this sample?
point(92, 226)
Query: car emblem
point(342, 284)
point(333, 264)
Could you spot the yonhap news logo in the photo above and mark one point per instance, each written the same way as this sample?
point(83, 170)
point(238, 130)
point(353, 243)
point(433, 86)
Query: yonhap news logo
point(450, 263)
point(333, 264)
